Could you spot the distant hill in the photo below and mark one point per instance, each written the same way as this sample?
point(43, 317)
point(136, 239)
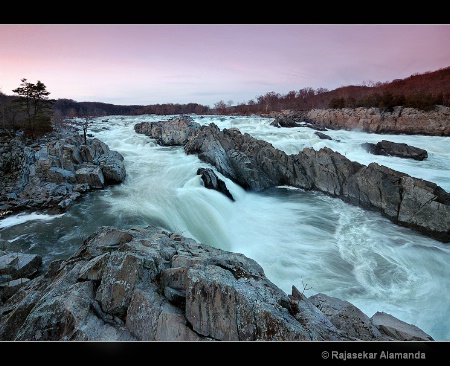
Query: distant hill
point(421, 91)
point(434, 83)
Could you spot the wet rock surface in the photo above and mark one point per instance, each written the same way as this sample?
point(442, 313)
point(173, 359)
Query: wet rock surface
point(146, 284)
point(257, 165)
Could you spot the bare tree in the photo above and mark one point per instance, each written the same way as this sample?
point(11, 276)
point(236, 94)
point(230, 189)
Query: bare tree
point(58, 120)
point(83, 123)
point(220, 107)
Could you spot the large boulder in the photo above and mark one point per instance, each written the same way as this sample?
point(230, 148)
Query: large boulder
point(176, 131)
point(401, 150)
point(212, 181)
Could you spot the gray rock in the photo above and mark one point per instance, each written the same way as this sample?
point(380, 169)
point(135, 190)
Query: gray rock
point(322, 136)
point(44, 176)
point(16, 269)
point(397, 329)
point(7, 289)
point(347, 317)
point(400, 150)
point(212, 181)
point(145, 284)
point(257, 165)
point(112, 166)
point(19, 264)
point(176, 131)
point(400, 121)
point(91, 175)
point(285, 121)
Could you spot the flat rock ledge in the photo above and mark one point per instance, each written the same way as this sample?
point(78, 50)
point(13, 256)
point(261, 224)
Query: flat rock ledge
point(146, 284)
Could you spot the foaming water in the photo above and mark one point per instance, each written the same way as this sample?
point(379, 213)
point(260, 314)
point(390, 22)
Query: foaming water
point(306, 239)
point(388, 262)
point(21, 218)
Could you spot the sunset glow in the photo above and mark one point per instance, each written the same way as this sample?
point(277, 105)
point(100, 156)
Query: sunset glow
point(168, 63)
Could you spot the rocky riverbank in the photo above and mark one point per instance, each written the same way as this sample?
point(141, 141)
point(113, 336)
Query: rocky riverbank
point(53, 172)
point(146, 284)
point(374, 120)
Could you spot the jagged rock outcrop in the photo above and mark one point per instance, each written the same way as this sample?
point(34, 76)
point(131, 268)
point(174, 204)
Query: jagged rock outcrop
point(145, 284)
point(256, 165)
point(251, 163)
point(212, 181)
point(52, 173)
point(16, 269)
point(398, 149)
point(165, 134)
point(400, 121)
point(347, 317)
point(408, 201)
point(285, 121)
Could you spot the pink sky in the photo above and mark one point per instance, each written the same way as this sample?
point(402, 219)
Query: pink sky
point(200, 63)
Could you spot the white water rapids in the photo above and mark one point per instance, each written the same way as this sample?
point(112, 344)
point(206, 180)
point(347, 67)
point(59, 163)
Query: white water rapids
point(306, 239)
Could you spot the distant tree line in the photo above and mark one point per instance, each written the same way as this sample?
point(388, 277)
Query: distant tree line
point(31, 110)
point(420, 91)
point(70, 108)
point(387, 101)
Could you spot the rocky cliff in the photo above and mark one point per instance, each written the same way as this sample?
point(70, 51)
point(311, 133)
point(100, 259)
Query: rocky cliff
point(374, 120)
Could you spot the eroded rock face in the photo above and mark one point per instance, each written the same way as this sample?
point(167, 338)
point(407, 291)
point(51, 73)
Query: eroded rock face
point(407, 201)
point(145, 284)
point(401, 120)
point(16, 269)
point(51, 174)
point(251, 163)
point(256, 165)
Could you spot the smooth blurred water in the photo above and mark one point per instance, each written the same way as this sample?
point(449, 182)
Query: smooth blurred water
point(306, 239)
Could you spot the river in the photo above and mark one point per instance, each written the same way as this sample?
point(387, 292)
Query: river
point(306, 239)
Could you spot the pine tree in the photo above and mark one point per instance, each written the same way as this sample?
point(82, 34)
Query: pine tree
point(34, 102)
